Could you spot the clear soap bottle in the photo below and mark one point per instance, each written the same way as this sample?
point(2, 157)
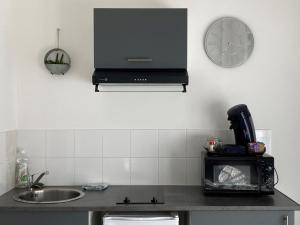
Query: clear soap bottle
point(22, 174)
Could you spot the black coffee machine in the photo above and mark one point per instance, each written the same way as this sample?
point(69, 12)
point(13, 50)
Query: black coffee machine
point(242, 124)
point(244, 132)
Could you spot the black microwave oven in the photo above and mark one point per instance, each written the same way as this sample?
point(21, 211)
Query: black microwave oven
point(238, 174)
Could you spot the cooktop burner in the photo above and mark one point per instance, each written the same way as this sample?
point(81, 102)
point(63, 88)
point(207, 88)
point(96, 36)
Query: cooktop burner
point(142, 195)
point(127, 201)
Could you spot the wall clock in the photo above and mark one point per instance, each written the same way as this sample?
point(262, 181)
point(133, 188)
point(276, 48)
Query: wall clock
point(228, 42)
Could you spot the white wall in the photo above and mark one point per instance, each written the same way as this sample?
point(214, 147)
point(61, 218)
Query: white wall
point(268, 83)
point(7, 78)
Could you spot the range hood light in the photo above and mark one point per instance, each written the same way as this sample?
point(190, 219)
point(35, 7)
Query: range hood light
point(141, 88)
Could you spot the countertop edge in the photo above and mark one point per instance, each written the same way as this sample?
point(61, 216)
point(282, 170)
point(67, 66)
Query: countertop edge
point(166, 208)
point(177, 198)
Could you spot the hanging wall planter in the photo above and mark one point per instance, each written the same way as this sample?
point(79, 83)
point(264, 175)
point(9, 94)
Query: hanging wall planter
point(57, 61)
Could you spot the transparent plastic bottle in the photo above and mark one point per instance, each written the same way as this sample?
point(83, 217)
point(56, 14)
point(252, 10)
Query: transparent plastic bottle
point(22, 174)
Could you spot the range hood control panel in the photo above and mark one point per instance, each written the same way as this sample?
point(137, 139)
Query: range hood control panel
point(113, 76)
point(140, 79)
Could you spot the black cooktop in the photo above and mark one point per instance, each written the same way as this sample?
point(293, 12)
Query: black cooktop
point(142, 196)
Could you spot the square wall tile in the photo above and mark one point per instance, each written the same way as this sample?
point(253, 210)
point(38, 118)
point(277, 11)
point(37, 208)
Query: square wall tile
point(11, 167)
point(194, 171)
point(88, 143)
point(116, 170)
point(227, 136)
point(196, 139)
point(37, 165)
point(3, 178)
point(144, 143)
point(265, 136)
point(11, 145)
point(116, 143)
point(88, 170)
point(60, 143)
point(7, 176)
point(3, 153)
point(144, 171)
point(172, 171)
point(33, 142)
point(8, 141)
point(61, 171)
point(172, 143)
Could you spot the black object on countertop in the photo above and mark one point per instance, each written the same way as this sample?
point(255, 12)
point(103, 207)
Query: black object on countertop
point(229, 150)
point(251, 175)
point(242, 124)
point(127, 201)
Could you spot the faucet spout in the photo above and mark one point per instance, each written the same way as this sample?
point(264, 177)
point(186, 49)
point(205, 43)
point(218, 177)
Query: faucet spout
point(36, 183)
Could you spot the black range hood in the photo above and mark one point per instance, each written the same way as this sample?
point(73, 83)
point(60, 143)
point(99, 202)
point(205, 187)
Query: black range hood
point(145, 47)
point(152, 77)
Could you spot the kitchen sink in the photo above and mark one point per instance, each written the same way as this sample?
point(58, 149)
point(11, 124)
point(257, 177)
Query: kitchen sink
point(49, 195)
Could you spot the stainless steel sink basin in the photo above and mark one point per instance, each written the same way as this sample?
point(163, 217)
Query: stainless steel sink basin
point(49, 195)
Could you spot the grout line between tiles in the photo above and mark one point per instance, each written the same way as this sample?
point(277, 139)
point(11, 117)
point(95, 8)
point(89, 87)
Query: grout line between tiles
point(158, 156)
point(102, 161)
point(46, 155)
point(186, 164)
point(74, 146)
point(130, 154)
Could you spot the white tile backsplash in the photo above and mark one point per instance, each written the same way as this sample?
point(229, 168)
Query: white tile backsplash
point(144, 171)
point(227, 136)
point(61, 171)
point(124, 156)
point(88, 170)
point(7, 146)
point(7, 160)
point(172, 143)
point(11, 175)
point(60, 143)
point(7, 175)
point(116, 143)
point(3, 151)
point(196, 139)
point(172, 171)
point(116, 170)
point(33, 142)
point(11, 145)
point(37, 165)
point(144, 143)
point(265, 136)
point(3, 178)
point(194, 171)
point(88, 143)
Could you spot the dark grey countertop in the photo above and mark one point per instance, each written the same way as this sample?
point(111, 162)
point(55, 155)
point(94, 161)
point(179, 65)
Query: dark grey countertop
point(176, 198)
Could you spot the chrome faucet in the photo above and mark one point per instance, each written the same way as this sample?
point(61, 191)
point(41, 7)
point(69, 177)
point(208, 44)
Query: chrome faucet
point(36, 183)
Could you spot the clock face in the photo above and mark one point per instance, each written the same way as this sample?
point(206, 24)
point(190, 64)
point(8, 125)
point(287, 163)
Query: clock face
point(228, 42)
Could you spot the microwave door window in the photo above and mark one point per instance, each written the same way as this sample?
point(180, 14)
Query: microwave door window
point(233, 177)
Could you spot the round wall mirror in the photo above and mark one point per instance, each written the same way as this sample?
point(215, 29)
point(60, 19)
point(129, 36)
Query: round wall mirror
point(228, 42)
